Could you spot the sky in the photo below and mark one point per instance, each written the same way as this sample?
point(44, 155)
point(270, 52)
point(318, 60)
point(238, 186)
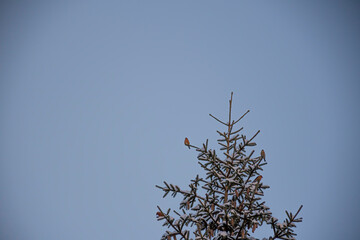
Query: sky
point(96, 98)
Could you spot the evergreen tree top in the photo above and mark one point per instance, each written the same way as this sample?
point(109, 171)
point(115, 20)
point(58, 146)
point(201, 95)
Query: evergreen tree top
point(232, 206)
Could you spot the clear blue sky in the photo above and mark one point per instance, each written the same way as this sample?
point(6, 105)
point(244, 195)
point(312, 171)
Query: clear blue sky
point(98, 96)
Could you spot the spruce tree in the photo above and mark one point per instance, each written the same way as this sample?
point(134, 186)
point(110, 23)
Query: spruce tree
point(230, 206)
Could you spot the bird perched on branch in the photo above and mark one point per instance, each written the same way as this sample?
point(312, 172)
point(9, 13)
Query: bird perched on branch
point(258, 178)
point(262, 154)
point(187, 142)
point(159, 214)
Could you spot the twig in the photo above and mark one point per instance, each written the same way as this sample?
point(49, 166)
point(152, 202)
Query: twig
point(254, 136)
point(218, 120)
point(242, 116)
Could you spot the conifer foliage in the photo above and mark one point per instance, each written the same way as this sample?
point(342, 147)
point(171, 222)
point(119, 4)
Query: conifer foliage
point(230, 206)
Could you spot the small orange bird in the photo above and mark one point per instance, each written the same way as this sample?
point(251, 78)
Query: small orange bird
point(263, 154)
point(258, 178)
point(159, 214)
point(186, 142)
